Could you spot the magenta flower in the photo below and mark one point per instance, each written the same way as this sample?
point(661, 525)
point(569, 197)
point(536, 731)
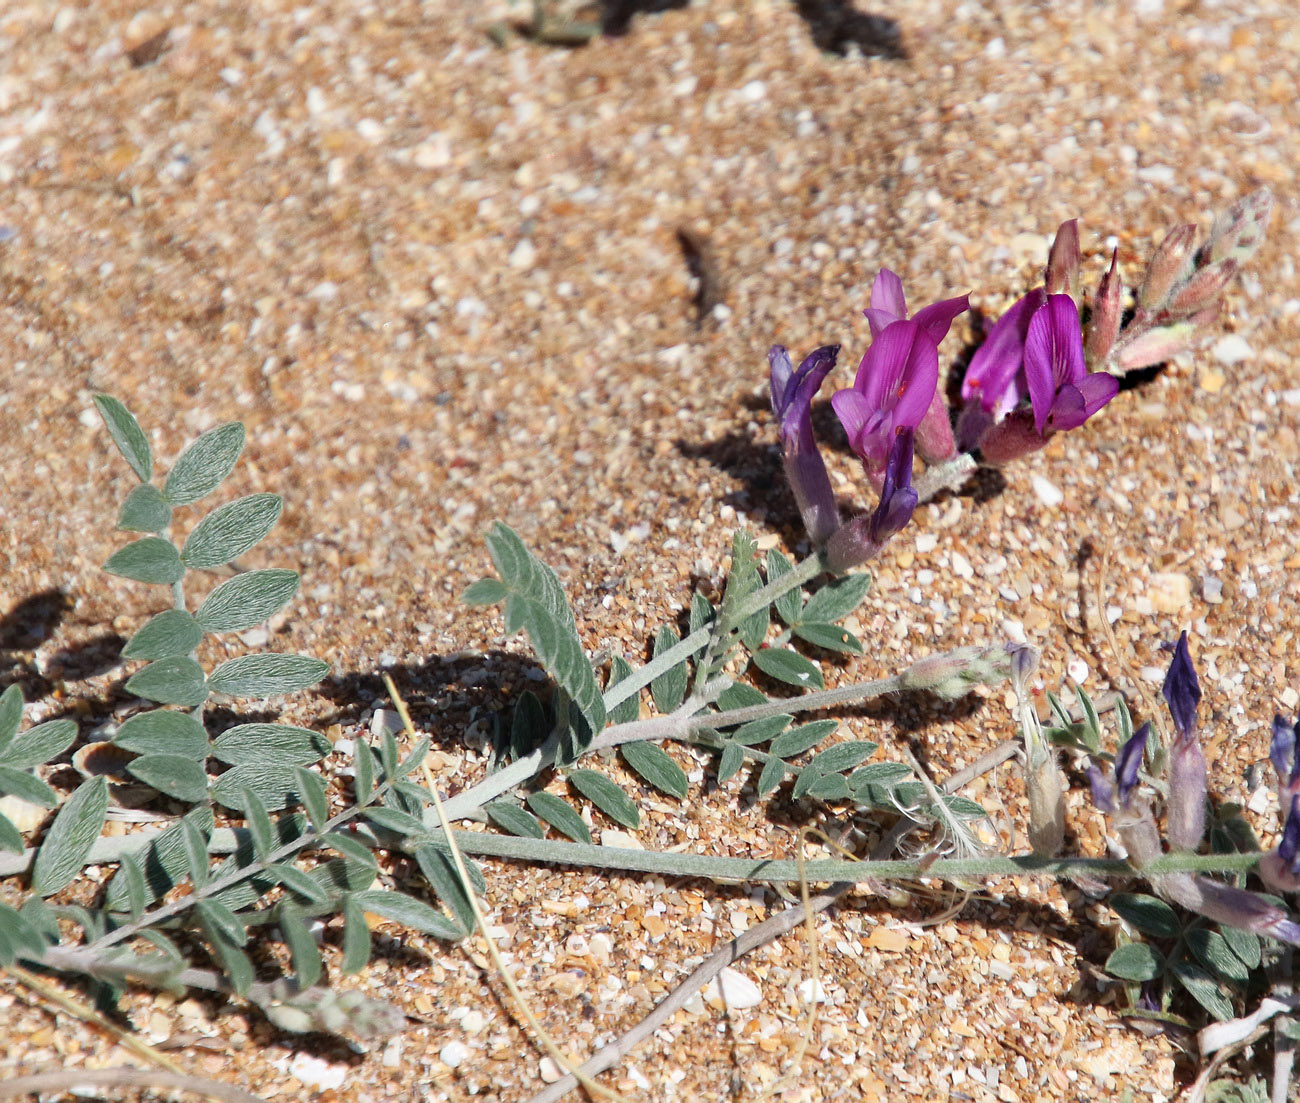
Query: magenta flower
point(1036, 348)
point(934, 440)
point(1061, 391)
point(894, 388)
point(792, 395)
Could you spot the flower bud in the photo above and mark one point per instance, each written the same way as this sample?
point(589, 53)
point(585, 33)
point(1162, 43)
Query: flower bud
point(1169, 267)
point(1239, 231)
point(1204, 288)
point(1107, 311)
point(1062, 275)
point(1154, 347)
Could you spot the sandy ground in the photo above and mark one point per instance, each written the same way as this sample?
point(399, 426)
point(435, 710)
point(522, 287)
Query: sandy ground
point(442, 281)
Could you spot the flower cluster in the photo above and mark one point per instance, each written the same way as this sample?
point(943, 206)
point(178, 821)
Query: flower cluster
point(1121, 797)
point(1040, 371)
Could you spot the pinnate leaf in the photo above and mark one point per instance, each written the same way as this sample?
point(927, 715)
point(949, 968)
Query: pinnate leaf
point(629, 708)
point(311, 789)
point(127, 435)
point(73, 833)
point(356, 936)
point(177, 681)
point(738, 695)
point(150, 559)
point(789, 667)
point(444, 879)
point(230, 530)
point(1212, 951)
point(38, 745)
point(302, 946)
point(510, 817)
point(163, 861)
point(175, 776)
point(654, 764)
point(247, 599)
point(170, 634)
point(266, 674)
point(773, 773)
point(606, 796)
point(1203, 988)
point(760, 731)
point(560, 815)
point(145, 510)
point(202, 467)
point(163, 731)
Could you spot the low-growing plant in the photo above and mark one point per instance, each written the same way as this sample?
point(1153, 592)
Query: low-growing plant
point(732, 681)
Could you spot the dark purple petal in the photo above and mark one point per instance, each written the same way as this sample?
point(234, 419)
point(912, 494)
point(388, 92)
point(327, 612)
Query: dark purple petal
point(1289, 848)
point(778, 357)
point(992, 375)
point(887, 294)
point(1282, 751)
point(1103, 792)
point(1128, 762)
point(936, 319)
point(897, 498)
point(1053, 354)
point(1181, 690)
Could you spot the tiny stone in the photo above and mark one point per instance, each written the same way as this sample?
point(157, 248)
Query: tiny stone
point(1290, 698)
point(1232, 349)
point(524, 255)
point(754, 92)
point(1212, 589)
point(734, 989)
point(926, 542)
point(620, 839)
point(807, 988)
point(548, 1070)
point(1047, 492)
point(453, 1054)
point(316, 1073)
point(1212, 381)
point(961, 566)
point(1170, 591)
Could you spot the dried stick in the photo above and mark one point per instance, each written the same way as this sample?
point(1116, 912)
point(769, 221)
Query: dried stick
point(768, 931)
point(124, 1078)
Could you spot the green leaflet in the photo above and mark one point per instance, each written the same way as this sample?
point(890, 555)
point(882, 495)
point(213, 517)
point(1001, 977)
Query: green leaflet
point(204, 465)
point(73, 833)
point(127, 435)
point(535, 603)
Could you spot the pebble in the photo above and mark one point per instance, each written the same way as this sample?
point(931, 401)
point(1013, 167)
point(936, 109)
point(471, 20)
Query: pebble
point(754, 92)
point(523, 256)
point(1232, 349)
point(1212, 589)
point(1046, 492)
point(808, 987)
point(453, 1054)
point(621, 839)
point(734, 989)
point(316, 1073)
point(548, 1070)
point(1169, 591)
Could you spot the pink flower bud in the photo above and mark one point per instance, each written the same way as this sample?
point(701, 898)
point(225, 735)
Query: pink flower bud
point(1169, 267)
point(1239, 231)
point(1062, 275)
point(1204, 288)
point(1154, 347)
point(1107, 310)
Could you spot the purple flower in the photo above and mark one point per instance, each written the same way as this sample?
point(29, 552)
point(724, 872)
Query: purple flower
point(1127, 764)
point(934, 440)
point(1034, 349)
point(1188, 784)
point(863, 537)
point(1280, 868)
point(894, 388)
point(1061, 391)
point(1181, 690)
point(1286, 762)
point(995, 378)
point(792, 395)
